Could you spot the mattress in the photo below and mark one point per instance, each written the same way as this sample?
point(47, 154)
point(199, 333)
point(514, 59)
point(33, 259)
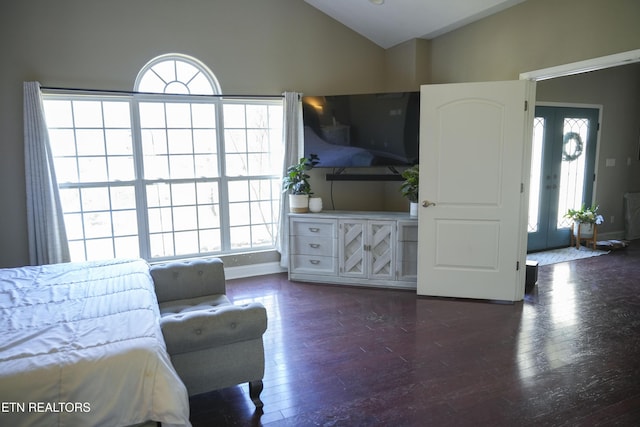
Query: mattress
point(81, 345)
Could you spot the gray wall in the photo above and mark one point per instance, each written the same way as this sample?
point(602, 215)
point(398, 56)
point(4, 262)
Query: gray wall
point(539, 34)
point(266, 47)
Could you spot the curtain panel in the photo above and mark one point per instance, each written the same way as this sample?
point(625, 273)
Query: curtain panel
point(293, 150)
point(45, 222)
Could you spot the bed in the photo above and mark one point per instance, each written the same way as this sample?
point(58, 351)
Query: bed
point(80, 344)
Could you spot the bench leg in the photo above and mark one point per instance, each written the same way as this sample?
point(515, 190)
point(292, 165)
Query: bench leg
point(255, 388)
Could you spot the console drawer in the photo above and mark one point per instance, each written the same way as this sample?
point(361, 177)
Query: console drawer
point(313, 264)
point(317, 227)
point(313, 245)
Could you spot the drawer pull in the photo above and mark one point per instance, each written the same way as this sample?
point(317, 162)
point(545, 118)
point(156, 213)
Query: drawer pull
point(314, 261)
point(314, 229)
point(314, 245)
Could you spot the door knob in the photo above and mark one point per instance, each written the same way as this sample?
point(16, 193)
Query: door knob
point(427, 203)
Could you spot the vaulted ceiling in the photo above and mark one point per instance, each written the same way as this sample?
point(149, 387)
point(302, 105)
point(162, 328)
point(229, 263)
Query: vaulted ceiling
point(390, 22)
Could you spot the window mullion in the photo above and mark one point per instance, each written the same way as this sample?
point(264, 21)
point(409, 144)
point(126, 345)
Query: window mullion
point(223, 188)
point(140, 190)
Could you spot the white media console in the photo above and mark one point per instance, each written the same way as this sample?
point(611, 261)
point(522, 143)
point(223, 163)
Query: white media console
point(354, 248)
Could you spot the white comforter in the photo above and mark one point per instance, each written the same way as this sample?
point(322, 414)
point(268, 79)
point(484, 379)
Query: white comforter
point(81, 345)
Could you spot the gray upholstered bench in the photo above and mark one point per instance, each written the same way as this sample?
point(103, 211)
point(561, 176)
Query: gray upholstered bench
point(213, 344)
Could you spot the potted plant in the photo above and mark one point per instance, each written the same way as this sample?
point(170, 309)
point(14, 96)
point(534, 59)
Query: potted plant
point(584, 218)
point(296, 183)
point(409, 187)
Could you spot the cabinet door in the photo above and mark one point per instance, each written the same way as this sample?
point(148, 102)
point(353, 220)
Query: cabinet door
point(351, 244)
point(380, 249)
point(407, 260)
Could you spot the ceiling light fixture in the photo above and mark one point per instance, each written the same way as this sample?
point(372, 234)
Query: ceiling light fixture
point(378, 2)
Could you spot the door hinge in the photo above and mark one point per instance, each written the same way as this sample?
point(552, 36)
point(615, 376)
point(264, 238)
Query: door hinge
point(526, 105)
point(522, 187)
point(517, 265)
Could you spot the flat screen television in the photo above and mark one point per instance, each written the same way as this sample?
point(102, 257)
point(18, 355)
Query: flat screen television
point(364, 130)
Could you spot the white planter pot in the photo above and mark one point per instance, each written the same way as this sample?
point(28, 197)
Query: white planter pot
point(413, 209)
point(298, 203)
point(586, 229)
point(315, 204)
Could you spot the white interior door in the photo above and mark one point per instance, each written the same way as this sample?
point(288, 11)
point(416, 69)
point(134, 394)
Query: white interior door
point(475, 149)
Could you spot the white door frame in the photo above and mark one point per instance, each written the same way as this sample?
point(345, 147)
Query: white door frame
point(594, 64)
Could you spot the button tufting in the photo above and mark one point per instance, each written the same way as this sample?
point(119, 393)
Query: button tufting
point(233, 325)
point(200, 272)
point(198, 331)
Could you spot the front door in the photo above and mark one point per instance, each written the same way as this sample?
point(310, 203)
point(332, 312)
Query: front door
point(562, 171)
point(475, 146)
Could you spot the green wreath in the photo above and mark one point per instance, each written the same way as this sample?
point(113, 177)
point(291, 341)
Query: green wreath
point(577, 151)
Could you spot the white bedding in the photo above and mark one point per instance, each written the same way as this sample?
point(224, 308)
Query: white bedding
point(81, 345)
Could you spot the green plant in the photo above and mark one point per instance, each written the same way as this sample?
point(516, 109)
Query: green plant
point(409, 187)
point(296, 179)
point(585, 215)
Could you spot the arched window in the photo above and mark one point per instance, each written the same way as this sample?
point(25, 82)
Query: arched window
point(191, 174)
point(177, 74)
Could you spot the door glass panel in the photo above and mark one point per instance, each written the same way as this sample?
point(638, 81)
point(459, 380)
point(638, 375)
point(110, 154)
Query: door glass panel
point(535, 178)
point(572, 179)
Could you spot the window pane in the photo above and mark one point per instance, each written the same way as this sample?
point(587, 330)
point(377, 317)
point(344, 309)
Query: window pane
point(123, 197)
point(92, 169)
point(238, 191)
point(161, 245)
point(58, 114)
point(181, 166)
point(210, 241)
point(118, 141)
point(95, 199)
point(204, 141)
point(207, 192)
point(234, 116)
point(121, 169)
point(73, 224)
point(204, 115)
point(90, 142)
point(99, 249)
point(235, 141)
point(180, 141)
point(63, 142)
point(66, 170)
point(160, 220)
point(158, 195)
point(125, 223)
point(240, 237)
point(117, 115)
point(187, 243)
point(152, 115)
point(185, 218)
point(178, 115)
point(127, 247)
point(206, 166)
point(87, 114)
point(208, 217)
point(183, 194)
point(97, 224)
point(239, 214)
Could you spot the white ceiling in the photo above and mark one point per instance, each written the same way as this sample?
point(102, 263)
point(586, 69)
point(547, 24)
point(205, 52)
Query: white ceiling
point(396, 21)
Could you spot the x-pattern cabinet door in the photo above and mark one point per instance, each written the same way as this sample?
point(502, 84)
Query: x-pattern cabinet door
point(366, 249)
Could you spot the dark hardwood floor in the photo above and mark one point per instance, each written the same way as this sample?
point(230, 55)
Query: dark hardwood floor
point(568, 355)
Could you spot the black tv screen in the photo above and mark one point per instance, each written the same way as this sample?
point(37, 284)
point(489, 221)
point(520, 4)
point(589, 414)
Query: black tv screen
point(364, 130)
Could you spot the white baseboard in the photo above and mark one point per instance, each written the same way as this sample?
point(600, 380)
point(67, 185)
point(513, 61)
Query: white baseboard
point(612, 235)
point(253, 270)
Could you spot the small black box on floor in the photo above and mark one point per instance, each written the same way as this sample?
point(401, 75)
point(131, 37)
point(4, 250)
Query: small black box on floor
point(531, 275)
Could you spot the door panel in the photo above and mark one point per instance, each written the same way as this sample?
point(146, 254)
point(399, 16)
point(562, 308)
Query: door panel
point(562, 172)
point(475, 141)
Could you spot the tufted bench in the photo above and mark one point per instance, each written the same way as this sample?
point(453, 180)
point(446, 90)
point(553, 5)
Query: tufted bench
point(213, 343)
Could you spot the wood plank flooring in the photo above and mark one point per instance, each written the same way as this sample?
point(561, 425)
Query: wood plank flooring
point(568, 355)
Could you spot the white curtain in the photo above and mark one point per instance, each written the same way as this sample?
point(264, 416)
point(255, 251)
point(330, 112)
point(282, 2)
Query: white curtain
point(47, 235)
point(293, 139)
